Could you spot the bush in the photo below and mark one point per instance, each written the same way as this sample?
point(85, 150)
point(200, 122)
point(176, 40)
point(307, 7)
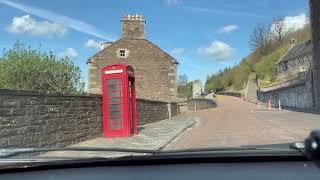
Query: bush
point(266, 67)
point(186, 90)
point(26, 68)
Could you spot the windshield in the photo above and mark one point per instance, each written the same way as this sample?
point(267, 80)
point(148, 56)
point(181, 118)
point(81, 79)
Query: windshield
point(161, 75)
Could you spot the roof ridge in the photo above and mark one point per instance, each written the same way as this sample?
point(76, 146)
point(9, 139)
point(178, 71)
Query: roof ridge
point(122, 38)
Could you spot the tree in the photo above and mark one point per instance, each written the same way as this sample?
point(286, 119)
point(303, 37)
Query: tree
point(258, 37)
point(182, 80)
point(278, 30)
point(26, 68)
point(260, 40)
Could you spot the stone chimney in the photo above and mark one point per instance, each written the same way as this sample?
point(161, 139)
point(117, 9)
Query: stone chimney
point(133, 26)
point(293, 41)
point(103, 45)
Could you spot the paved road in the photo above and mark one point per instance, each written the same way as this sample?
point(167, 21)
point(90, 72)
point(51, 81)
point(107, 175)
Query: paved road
point(236, 122)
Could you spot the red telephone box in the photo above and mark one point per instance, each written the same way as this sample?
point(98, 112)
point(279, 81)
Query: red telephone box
point(118, 101)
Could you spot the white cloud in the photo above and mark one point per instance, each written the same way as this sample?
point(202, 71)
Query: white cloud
point(224, 12)
point(92, 44)
point(58, 18)
point(227, 29)
point(174, 3)
point(293, 23)
point(69, 52)
point(177, 51)
point(28, 25)
point(217, 51)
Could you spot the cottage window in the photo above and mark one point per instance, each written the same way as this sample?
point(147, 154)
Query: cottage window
point(122, 53)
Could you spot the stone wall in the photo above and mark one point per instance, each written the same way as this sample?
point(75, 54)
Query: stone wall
point(200, 104)
point(149, 111)
point(37, 118)
point(296, 93)
point(225, 93)
point(294, 67)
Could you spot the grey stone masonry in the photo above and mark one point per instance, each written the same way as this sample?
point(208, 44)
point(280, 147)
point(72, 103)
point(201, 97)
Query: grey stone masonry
point(155, 70)
point(200, 104)
point(295, 93)
point(37, 118)
point(149, 111)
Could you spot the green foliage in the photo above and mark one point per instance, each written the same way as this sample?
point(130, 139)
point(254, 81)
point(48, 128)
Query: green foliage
point(186, 90)
point(266, 67)
point(235, 78)
point(26, 68)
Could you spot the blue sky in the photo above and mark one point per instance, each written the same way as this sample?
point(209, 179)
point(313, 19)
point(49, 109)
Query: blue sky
point(203, 35)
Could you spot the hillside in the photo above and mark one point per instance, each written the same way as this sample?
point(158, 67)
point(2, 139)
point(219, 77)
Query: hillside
point(263, 64)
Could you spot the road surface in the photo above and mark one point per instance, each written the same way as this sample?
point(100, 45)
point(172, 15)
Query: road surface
point(236, 123)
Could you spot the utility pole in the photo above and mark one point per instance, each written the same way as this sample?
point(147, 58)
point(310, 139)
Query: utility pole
point(315, 27)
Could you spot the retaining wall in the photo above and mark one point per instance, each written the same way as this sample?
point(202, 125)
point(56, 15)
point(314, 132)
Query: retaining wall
point(200, 104)
point(295, 93)
point(38, 118)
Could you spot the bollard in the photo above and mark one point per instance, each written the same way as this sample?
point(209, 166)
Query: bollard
point(269, 104)
point(195, 107)
point(279, 103)
point(258, 103)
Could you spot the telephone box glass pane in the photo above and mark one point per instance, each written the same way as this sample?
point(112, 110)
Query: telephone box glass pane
point(115, 113)
point(115, 88)
point(114, 107)
point(115, 94)
point(115, 117)
point(115, 100)
point(114, 81)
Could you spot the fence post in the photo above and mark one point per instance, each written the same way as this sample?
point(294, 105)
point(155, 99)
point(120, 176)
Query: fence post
point(169, 109)
point(269, 104)
point(279, 103)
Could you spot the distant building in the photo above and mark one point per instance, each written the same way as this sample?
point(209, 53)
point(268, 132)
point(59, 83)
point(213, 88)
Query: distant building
point(296, 60)
point(196, 89)
point(155, 70)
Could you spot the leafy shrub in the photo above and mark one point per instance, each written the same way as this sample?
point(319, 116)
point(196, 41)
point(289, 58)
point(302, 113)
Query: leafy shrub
point(26, 68)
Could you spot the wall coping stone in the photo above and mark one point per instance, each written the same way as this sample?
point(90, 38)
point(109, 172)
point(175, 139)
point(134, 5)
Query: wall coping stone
point(16, 92)
point(298, 81)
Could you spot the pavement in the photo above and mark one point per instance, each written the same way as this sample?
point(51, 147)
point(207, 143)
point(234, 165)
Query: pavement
point(236, 122)
point(153, 136)
point(252, 88)
point(233, 123)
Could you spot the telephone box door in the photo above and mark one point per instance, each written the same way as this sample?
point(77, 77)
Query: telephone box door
point(132, 105)
point(114, 102)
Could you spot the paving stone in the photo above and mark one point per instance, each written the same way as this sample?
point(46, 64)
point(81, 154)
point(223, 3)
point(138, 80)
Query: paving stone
point(153, 136)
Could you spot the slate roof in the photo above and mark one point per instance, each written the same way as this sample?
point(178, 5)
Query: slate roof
point(297, 50)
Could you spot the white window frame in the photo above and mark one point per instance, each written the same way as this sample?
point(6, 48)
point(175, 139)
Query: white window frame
point(121, 54)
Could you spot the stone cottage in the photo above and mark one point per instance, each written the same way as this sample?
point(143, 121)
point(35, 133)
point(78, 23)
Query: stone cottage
point(155, 70)
point(297, 60)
